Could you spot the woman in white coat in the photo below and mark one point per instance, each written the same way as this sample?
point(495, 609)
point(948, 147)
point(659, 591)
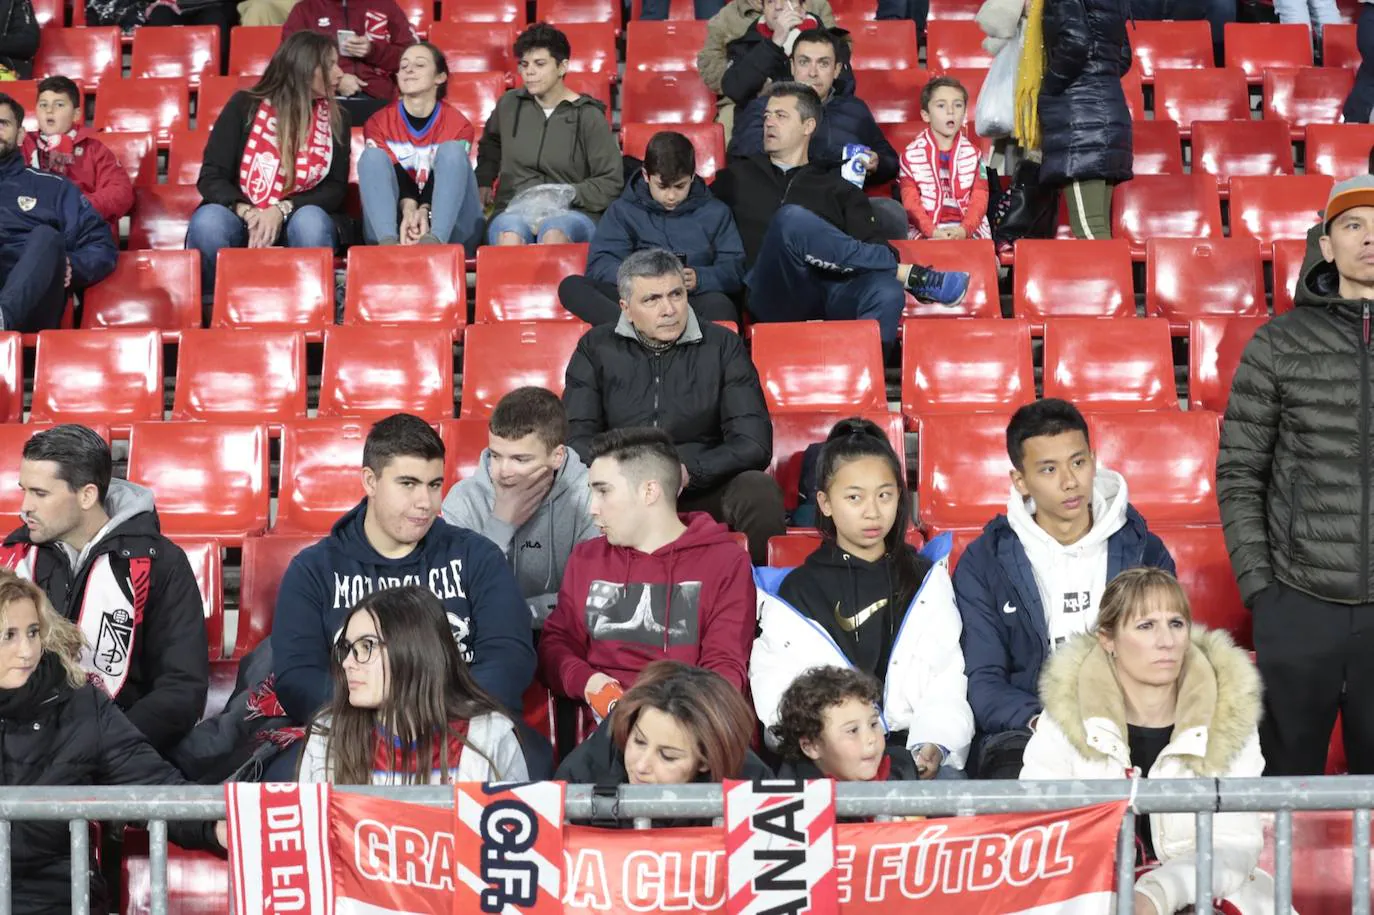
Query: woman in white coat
point(1150, 695)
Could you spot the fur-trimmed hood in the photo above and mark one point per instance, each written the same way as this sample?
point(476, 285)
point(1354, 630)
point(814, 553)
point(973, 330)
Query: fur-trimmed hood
point(1218, 700)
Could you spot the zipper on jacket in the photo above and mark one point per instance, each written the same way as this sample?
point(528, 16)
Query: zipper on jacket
point(1364, 450)
point(658, 376)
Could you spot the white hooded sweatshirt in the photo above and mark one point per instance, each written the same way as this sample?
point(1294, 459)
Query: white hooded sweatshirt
point(1071, 578)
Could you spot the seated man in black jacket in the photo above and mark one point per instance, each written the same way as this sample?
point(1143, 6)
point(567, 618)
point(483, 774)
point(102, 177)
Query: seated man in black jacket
point(847, 123)
point(811, 243)
point(661, 367)
point(760, 56)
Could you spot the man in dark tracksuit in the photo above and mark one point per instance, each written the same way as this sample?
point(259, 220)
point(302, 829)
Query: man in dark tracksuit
point(51, 238)
point(1295, 481)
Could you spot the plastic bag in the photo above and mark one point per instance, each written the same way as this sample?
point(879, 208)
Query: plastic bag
point(541, 202)
point(996, 110)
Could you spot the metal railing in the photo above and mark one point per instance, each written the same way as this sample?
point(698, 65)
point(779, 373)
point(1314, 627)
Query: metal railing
point(1202, 797)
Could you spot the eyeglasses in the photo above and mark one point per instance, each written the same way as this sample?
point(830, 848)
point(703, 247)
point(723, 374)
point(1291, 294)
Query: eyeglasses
point(362, 650)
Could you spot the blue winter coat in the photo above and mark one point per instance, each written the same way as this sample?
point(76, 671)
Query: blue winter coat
point(57, 203)
point(1005, 638)
point(847, 119)
point(701, 227)
point(466, 571)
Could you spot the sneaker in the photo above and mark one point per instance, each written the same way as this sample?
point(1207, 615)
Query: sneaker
point(942, 288)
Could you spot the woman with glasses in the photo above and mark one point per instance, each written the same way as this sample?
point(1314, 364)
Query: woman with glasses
point(406, 709)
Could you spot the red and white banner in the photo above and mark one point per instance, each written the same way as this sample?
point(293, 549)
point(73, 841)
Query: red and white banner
point(389, 858)
point(780, 847)
point(279, 859)
point(508, 842)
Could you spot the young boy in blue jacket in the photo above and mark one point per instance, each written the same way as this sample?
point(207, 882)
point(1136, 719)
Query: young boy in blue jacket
point(664, 206)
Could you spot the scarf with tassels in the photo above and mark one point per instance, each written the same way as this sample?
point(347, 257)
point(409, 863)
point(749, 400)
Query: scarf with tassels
point(1026, 127)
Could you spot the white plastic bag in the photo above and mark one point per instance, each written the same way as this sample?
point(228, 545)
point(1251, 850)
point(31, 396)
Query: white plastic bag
point(541, 202)
point(996, 110)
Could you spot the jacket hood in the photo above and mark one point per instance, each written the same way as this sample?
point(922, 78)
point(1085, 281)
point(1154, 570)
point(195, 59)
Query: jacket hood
point(1319, 282)
point(637, 192)
point(1219, 690)
point(524, 95)
point(131, 511)
point(1109, 503)
point(703, 533)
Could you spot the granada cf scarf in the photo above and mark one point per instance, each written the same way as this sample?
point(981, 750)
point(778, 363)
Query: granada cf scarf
point(260, 173)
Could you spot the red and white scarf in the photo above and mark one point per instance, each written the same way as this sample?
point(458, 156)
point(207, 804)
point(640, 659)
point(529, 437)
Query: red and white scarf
point(395, 760)
point(260, 172)
point(921, 165)
point(54, 153)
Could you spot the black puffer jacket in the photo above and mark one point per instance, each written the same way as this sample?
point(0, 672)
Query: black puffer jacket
point(67, 736)
point(1294, 476)
point(703, 391)
point(1085, 124)
point(18, 36)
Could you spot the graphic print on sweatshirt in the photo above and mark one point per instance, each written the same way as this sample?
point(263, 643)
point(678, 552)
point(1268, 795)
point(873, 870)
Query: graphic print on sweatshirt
point(642, 613)
point(445, 582)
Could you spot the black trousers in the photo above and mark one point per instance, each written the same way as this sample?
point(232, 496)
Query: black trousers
point(751, 503)
point(33, 285)
point(599, 303)
point(1316, 658)
point(224, 15)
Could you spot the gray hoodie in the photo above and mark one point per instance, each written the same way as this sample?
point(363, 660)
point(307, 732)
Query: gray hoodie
point(539, 549)
point(123, 500)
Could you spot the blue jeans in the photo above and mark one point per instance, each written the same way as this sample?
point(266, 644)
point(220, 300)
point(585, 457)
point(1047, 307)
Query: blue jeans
point(701, 9)
point(1361, 100)
point(578, 226)
point(808, 269)
point(214, 227)
point(33, 283)
point(455, 208)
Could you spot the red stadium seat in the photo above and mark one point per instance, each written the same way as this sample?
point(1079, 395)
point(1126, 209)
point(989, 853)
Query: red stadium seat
point(86, 56)
point(240, 375)
point(1255, 47)
point(1338, 46)
point(464, 441)
point(101, 376)
point(1189, 279)
point(512, 11)
point(820, 366)
point(1176, 206)
point(420, 15)
point(663, 47)
point(160, 215)
point(50, 14)
point(476, 94)
point(953, 365)
point(975, 256)
point(1185, 96)
point(158, 289)
point(320, 461)
point(666, 98)
point(794, 431)
point(497, 358)
point(964, 469)
point(941, 10)
point(1134, 89)
point(11, 377)
point(136, 151)
point(1277, 207)
point(1204, 570)
point(185, 153)
point(264, 563)
point(791, 549)
point(957, 43)
point(197, 881)
point(596, 85)
point(1158, 148)
point(1311, 95)
point(1185, 45)
point(208, 567)
point(678, 10)
point(372, 372)
point(214, 94)
point(593, 47)
point(274, 287)
point(894, 96)
point(251, 47)
point(1288, 257)
point(972, 79)
point(476, 47)
point(1110, 365)
point(1228, 149)
point(1214, 348)
point(1339, 151)
point(1058, 278)
point(25, 92)
point(419, 284)
point(187, 53)
point(156, 105)
point(13, 436)
point(565, 12)
point(708, 140)
point(211, 479)
point(1169, 458)
point(889, 45)
point(520, 282)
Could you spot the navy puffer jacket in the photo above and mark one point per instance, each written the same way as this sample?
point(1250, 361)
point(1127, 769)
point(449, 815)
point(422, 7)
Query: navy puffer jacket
point(1085, 124)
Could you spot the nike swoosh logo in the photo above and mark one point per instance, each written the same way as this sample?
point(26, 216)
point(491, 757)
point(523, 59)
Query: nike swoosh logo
point(1008, 608)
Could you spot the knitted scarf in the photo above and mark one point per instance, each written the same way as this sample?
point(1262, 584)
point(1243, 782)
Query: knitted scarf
point(1026, 128)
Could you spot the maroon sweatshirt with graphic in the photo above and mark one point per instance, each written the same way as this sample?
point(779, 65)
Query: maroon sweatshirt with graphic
point(380, 21)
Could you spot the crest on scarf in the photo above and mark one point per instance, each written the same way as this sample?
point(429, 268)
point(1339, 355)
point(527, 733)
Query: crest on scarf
point(27, 203)
point(112, 645)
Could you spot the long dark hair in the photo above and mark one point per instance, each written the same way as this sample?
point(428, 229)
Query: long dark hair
point(429, 689)
point(852, 439)
point(287, 84)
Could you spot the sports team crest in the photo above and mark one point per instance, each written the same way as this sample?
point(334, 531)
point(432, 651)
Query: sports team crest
point(27, 203)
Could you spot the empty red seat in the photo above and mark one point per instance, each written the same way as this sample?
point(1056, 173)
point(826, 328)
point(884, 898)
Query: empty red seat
point(11, 377)
point(663, 47)
point(596, 85)
point(1289, 254)
point(1169, 460)
point(211, 479)
point(894, 96)
point(1338, 46)
point(419, 284)
point(136, 151)
point(955, 365)
point(240, 375)
point(187, 53)
point(708, 141)
point(476, 94)
point(666, 98)
point(1277, 207)
point(1110, 365)
point(820, 365)
point(1185, 96)
point(1255, 47)
point(1158, 148)
point(794, 431)
point(1056, 278)
point(214, 94)
point(955, 43)
point(101, 376)
point(1215, 345)
point(563, 12)
point(25, 92)
point(158, 289)
point(943, 9)
point(1339, 150)
point(207, 565)
point(155, 105)
point(520, 282)
point(319, 474)
point(420, 15)
point(1311, 95)
point(1176, 206)
point(1185, 278)
point(888, 45)
point(593, 46)
point(274, 287)
point(251, 47)
point(464, 440)
point(963, 469)
point(1204, 570)
point(185, 153)
point(1185, 45)
point(161, 213)
point(264, 563)
point(484, 11)
point(89, 57)
point(497, 358)
point(977, 257)
point(373, 372)
point(1230, 148)
point(475, 47)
